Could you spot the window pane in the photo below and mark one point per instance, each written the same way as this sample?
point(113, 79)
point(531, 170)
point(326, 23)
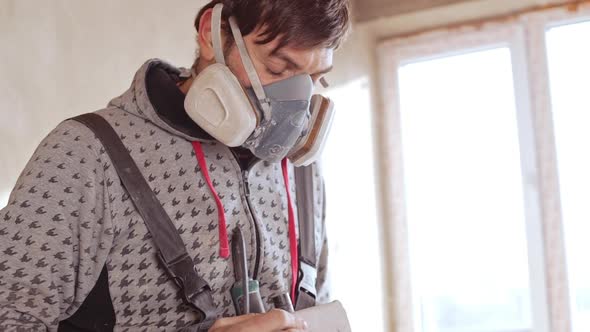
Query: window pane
point(464, 194)
point(569, 69)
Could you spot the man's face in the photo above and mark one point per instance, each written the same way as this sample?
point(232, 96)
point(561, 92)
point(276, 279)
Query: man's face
point(281, 64)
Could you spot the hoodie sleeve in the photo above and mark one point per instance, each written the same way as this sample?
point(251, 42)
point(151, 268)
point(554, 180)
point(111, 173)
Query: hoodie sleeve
point(55, 233)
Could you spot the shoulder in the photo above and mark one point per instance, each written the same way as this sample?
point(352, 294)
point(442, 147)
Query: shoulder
point(76, 136)
point(71, 145)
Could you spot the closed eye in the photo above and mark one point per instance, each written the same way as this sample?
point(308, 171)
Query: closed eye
point(273, 73)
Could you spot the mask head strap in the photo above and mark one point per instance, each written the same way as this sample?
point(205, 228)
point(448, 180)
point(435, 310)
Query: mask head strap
point(250, 70)
point(216, 33)
point(248, 66)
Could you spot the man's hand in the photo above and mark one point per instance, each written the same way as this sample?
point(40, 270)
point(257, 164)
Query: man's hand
point(273, 321)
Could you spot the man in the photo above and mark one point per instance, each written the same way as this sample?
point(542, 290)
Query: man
point(77, 255)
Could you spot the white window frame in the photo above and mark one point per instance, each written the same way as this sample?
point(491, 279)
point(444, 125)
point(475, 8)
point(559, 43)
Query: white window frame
point(525, 36)
point(537, 25)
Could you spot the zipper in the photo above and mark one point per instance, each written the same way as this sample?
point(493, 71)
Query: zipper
point(246, 193)
point(257, 228)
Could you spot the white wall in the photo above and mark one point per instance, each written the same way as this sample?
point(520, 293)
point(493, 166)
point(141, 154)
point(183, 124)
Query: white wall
point(59, 58)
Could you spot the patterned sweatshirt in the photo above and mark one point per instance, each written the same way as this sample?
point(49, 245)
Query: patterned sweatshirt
point(69, 218)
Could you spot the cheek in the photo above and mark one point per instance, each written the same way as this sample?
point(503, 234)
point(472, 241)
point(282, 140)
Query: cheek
point(234, 62)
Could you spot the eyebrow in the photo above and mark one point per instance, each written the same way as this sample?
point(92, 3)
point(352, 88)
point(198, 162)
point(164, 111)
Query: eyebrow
point(294, 65)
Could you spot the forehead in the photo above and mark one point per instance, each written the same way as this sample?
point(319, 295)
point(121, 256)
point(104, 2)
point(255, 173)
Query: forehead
point(308, 59)
point(317, 59)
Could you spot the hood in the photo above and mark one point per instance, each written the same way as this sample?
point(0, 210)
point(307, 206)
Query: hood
point(155, 97)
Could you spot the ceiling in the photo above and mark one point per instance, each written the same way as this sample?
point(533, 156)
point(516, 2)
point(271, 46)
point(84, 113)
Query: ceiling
point(366, 10)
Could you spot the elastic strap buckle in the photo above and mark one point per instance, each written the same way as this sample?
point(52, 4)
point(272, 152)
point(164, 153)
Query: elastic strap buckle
point(194, 290)
point(306, 296)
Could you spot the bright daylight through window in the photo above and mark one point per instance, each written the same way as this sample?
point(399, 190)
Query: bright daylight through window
point(569, 69)
point(464, 194)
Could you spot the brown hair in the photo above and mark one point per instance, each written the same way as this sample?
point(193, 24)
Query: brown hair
point(298, 23)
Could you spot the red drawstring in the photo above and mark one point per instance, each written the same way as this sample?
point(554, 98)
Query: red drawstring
point(223, 240)
point(292, 233)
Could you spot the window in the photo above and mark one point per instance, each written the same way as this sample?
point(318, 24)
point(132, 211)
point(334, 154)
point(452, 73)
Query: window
point(569, 72)
point(469, 177)
point(487, 177)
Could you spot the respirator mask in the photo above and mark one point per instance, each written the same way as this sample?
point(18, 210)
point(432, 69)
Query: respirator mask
point(274, 121)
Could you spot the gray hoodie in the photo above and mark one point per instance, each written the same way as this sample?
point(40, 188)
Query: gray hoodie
point(69, 216)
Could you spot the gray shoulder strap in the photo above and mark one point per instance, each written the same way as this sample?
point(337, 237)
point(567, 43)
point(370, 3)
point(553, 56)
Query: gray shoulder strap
point(306, 287)
point(305, 212)
point(172, 252)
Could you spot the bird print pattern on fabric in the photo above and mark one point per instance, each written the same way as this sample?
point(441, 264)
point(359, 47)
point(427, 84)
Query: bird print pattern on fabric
point(69, 215)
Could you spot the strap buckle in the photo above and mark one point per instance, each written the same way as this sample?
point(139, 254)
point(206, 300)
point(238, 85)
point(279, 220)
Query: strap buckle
point(306, 296)
point(194, 290)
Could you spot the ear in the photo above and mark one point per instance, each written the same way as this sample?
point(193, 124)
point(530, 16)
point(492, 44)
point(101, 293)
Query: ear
point(204, 38)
